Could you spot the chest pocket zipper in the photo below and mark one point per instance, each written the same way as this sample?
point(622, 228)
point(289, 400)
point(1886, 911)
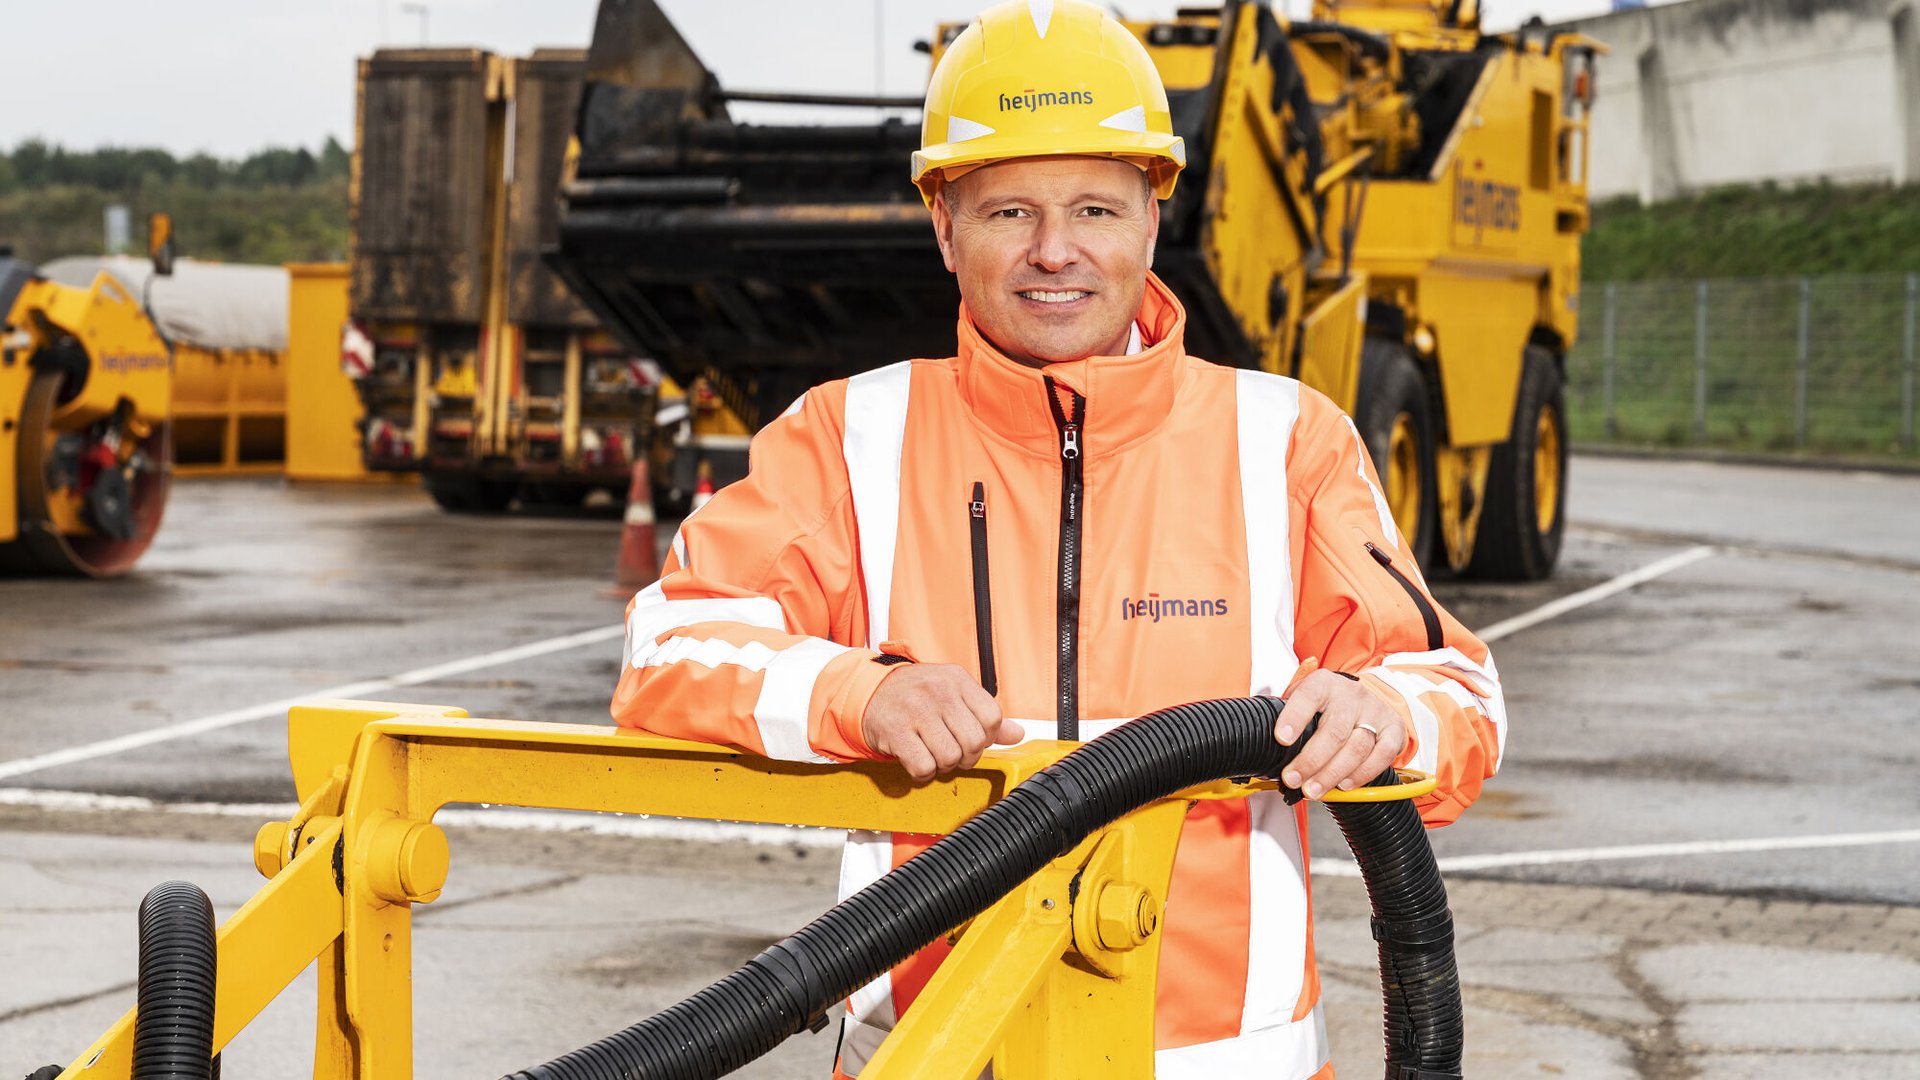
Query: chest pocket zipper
point(1435, 639)
point(982, 591)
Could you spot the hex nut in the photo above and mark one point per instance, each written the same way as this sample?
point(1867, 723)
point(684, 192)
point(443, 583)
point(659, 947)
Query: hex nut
point(1127, 916)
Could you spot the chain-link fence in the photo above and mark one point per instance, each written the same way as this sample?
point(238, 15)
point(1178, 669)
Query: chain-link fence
point(1822, 364)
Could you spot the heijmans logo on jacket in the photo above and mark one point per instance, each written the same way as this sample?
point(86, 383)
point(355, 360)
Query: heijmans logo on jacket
point(1156, 608)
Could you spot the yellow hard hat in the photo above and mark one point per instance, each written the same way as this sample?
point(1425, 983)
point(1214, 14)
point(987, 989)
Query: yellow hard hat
point(1037, 78)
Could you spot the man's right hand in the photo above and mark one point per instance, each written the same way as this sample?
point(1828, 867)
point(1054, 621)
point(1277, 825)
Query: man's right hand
point(935, 719)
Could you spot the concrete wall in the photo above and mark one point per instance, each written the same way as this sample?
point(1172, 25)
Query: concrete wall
point(1711, 92)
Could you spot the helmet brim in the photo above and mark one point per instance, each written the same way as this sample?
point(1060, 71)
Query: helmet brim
point(1161, 156)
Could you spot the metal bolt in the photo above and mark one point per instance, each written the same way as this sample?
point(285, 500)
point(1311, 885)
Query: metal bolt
point(408, 862)
point(1047, 904)
point(270, 848)
point(1128, 916)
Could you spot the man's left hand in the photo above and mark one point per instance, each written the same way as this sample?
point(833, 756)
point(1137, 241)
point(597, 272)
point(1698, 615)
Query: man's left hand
point(1358, 737)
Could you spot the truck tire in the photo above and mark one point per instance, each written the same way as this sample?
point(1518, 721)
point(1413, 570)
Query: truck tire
point(554, 494)
point(1395, 416)
point(465, 493)
point(1526, 508)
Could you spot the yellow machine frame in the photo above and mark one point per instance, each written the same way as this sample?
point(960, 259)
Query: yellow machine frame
point(346, 869)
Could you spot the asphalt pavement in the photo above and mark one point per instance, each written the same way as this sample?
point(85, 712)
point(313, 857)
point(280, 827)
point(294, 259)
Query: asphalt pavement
point(1701, 857)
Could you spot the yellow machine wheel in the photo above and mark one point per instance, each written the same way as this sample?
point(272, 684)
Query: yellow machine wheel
point(1402, 475)
point(1549, 462)
point(1395, 417)
point(1525, 513)
point(120, 508)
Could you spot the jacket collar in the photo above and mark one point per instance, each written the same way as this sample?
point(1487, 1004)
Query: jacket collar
point(1127, 396)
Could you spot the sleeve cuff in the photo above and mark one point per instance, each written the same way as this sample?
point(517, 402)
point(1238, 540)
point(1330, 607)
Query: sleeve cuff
point(851, 704)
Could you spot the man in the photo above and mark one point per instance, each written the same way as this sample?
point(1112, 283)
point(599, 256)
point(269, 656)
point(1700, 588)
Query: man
point(1067, 524)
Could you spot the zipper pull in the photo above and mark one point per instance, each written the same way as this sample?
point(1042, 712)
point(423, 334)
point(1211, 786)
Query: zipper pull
point(1070, 441)
point(1379, 556)
point(978, 507)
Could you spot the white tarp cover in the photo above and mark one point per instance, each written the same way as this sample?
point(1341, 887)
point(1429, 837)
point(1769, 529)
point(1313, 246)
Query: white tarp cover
point(210, 305)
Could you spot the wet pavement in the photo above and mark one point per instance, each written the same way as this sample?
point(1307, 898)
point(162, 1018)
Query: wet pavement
point(1765, 699)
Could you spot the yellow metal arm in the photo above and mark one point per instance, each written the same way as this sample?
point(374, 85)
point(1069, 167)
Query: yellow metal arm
point(1073, 948)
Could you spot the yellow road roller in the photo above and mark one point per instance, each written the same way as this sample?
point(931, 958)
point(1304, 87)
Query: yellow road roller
point(86, 452)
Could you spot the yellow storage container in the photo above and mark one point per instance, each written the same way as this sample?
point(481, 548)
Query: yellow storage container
point(323, 433)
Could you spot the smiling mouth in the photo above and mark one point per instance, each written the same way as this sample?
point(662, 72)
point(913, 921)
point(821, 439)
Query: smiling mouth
point(1046, 297)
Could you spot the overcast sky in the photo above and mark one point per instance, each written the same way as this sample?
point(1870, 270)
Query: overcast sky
point(232, 76)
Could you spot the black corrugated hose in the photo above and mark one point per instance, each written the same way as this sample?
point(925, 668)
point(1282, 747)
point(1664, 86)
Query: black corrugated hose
point(788, 988)
point(173, 1021)
point(1425, 1026)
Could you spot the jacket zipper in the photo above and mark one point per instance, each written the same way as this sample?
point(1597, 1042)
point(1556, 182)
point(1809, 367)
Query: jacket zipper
point(1072, 509)
point(1435, 640)
point(982, 593)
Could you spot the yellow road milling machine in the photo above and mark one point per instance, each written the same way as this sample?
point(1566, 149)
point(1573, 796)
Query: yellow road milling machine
point(86, 455)
point(1382, 201)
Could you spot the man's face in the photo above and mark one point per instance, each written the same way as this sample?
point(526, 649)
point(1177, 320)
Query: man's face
point(1051, 253)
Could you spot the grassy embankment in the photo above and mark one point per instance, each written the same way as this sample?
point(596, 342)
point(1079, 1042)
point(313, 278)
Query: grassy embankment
point(1750, 246)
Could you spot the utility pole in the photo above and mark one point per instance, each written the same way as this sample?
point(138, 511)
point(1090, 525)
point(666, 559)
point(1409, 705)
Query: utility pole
point(420, 10)
point(879, 52)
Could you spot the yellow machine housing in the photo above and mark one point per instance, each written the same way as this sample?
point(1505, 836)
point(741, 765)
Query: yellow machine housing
point(1381, 201)
point(86, 384)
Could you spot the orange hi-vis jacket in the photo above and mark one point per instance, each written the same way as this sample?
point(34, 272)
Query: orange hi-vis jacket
point(1094, 540)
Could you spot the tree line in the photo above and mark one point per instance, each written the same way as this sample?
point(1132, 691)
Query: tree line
point(279, 204)
point(35, 164)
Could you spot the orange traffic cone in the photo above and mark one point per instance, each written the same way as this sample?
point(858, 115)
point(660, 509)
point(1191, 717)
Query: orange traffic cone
point(703, 490)
point(639, 563)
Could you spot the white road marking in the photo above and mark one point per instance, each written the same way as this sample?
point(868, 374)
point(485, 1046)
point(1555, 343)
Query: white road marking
point(185, 728)
point(1553, 609)
point(506, 818)
point(517, 819)
point(1501, 860)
